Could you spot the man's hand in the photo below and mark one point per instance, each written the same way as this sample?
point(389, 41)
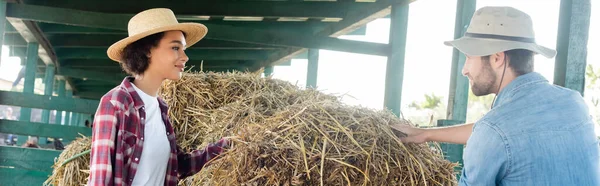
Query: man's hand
point(413, 134)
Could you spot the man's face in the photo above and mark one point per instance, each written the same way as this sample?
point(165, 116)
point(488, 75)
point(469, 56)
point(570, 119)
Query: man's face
point(481, 75)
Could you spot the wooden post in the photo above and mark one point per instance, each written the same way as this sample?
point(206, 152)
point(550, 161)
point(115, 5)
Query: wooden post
point(312, 68)
point(268, 71)
point(48, 89)
point(459, 84)
point(68, 115)
point(2, 23)
point(395, 63)
point(571, 44)
point(29, 84)
point(61, 93)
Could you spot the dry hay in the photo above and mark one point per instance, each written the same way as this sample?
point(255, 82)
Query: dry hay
point(75, 172)
point(290, 136)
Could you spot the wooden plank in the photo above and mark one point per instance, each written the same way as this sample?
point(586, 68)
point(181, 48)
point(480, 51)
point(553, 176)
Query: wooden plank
point(221, 32)
point(28, 158)
point(191, 9)
point(48, 102)
point(42, 129)
point(193, 54)
point(14, 176)
point(61, 89)
point(459, 84)
point(28, 83)
point(92, 75)
point(395, 64)
point(573, 32)
point(108, 64)
point(452, 152)
point(312, 68)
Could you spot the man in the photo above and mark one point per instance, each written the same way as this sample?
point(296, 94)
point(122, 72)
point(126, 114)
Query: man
point(536, 133)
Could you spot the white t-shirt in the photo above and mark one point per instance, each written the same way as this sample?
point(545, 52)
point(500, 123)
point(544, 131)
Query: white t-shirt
point(152, 167)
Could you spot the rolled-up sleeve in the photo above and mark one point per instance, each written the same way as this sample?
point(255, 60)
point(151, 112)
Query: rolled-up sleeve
point(486, 159)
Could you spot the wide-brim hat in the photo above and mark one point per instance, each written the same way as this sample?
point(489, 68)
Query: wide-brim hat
point(498, 29)
point(154, 21)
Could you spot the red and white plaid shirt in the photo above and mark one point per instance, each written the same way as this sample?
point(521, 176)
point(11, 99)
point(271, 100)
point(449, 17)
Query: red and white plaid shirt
point(117, 141)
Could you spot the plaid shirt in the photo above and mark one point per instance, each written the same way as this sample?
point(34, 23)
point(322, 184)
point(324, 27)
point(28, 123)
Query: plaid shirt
point(117, 141)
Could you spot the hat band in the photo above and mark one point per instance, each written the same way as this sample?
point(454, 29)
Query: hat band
point(501, 37)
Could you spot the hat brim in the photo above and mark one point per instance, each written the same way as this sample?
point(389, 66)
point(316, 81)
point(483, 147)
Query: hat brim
point(194, 32)
point(483, 47)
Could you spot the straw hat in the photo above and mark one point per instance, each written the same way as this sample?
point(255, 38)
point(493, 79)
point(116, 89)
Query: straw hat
point(497, 29)
point(153, 21)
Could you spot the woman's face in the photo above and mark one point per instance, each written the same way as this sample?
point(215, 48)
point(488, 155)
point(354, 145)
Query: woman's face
point(167, 60)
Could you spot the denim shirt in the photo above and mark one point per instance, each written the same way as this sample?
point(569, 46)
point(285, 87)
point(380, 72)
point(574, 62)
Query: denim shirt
point(536, 134)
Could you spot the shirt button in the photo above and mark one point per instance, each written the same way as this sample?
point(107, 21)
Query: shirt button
point(142, 138)
point(142, 118)
point(136, 159)
point(167, 133)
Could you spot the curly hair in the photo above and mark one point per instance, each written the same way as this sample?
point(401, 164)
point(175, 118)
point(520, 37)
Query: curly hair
point(135, 55)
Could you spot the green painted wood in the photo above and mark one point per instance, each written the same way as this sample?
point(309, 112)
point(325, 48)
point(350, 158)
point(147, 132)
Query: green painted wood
point(19, 177)
point(351, 22)
point(459, 84)
point(8, 28)
point(68, 115)
point(572, 41)
point(28, 158)
point(29, 83)
point(452, 152)
point(2, 23)
point(76, 119)
point(48, 89)
point(312, 68)
point(105, 64)
point(196, 55)
point(268, 71)
point(48, 102)
point(42, 129)
point(395, 65)
point(61, 94)
point(221, 32)
point(315, 9)
point(91, 74)
point(105, 40)
point(14, 39)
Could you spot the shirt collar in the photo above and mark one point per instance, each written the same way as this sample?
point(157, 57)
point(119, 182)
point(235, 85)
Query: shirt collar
point(137, 100)
point(523, 80)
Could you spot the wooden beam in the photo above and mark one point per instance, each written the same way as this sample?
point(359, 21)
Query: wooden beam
point(220, 32)
point(12, 176)
point(91, 74)
point(573, 33)
point(48, 102)
point(108, 64)
point(459, 84)
point(191, 9)
point(28, 158)
point(193, 54)
point(43, 129)
point(354, 21)
point(104, 41)
point(394, 77)
point(31, 32)
point(312, 68)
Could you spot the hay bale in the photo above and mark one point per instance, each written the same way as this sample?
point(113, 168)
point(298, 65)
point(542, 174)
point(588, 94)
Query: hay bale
point(290, 136)
point(75, 172)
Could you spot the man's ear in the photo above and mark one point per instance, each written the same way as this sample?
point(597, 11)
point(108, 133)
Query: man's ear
point(497, 60)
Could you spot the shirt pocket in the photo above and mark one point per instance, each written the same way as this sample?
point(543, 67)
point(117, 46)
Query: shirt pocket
point(128, 143)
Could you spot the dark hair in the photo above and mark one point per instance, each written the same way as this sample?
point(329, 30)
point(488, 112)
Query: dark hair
point(135, 55)
point(519, 60)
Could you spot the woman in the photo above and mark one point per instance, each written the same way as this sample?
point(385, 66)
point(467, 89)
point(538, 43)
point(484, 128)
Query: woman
point(133, 141)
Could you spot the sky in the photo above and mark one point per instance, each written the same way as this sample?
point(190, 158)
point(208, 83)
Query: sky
point(427, 64)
